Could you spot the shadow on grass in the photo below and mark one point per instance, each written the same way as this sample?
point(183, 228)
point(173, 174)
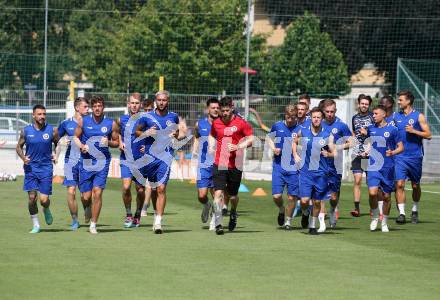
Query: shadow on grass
point(109, 230)
point(175, 230)
point(55, 230)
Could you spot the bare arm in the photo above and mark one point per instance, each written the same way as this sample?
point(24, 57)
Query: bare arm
point(55, 141)
point(19, 149)
point(77, 136)
point(195, 149)
point(425, 132)
point(211, 144)
point(295, 147)
point(114, 141)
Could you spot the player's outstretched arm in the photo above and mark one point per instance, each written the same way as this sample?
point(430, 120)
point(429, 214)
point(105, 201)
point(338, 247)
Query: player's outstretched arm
point(114, 141)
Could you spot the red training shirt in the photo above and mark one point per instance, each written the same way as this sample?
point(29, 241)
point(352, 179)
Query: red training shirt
point(233, 133)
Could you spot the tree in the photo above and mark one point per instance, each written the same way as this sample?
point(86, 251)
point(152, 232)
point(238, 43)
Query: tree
point(370, 31)
point(307, 61)
point(197, 45)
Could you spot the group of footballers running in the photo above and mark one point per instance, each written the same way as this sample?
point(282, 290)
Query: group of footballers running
point(307, 147)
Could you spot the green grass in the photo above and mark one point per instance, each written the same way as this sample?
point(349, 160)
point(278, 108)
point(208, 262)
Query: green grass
point(257, 261)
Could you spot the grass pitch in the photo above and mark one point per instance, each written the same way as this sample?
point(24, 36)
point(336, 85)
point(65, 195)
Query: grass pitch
point(257, 261)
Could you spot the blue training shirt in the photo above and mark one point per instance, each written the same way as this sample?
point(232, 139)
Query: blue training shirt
point(283, 137)
point(382, 139)
point(412, 144)
point(159, 146)
point(95, 131)
point(312, 159)
point(341, 132)
point(67, 127)
point(125, 123)
point(39, 147)
point(204, 128)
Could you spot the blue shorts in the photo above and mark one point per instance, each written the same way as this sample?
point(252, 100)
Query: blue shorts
point(334, 181)
point(157, 173)
point(408, 168)
point(125, 171)
point(90, 179)
point(37, 181)
point(314, 185)
point(282, 178)
point(74, 180)
point(383, 179)
point(204, 178)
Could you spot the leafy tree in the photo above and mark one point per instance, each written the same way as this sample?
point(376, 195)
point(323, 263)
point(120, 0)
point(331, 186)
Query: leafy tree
point(307, 61)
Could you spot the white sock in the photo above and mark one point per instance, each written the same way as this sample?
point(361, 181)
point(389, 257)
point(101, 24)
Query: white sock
point(288, 221)
point(375, 213)
point(384, 220)
point(380, 204)
point(415, 206)
point(225, 206)
point(313, 222)
point(401, 207)
point(321, 217)
point(282, 209)
point(92, 225)
point(157, 220)
point(35, 222)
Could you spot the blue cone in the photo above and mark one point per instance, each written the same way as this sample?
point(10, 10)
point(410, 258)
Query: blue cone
point(243, 188)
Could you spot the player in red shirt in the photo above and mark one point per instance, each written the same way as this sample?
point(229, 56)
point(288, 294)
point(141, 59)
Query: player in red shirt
point(232, 135)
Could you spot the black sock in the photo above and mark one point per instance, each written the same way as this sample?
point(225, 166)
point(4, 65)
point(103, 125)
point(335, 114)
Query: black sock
point(356, 205)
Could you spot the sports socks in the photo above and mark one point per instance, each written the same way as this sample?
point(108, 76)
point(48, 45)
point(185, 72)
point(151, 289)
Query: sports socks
point(415, 206)
point(35, 222)
point(401, 207)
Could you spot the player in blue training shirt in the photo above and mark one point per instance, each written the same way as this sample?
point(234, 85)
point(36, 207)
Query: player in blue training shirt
point(316, 145)
point(413, 128)
point(205, 160)
point(38, 169)
point(147, 105)
point(284, 170)
point(159, 149)
point(342, 138)
point(302, 110)
point(384, 142)
point(93, 136)
point(71, 161)
point(125, 122)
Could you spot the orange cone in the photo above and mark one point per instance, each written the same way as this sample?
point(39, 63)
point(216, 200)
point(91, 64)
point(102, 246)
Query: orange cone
point(57, 179)
point(259, 192)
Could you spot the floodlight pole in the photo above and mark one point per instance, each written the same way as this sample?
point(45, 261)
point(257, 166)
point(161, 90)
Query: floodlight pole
point(248, 42)
point(45, 54)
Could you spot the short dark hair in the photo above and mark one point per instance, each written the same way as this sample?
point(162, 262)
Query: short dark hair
point(388, 99)
point(364, 97)
point(380, 107)
point(147, 102)
point(305, 97)
point(78, 100)
point(212, 100)
point(226, 101)
point(317, 109)
point(38, 106)
point(408, 95)
point(96, 99)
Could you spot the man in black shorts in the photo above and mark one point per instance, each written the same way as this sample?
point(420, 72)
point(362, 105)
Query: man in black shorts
point(362, 119)
point(232, 135)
